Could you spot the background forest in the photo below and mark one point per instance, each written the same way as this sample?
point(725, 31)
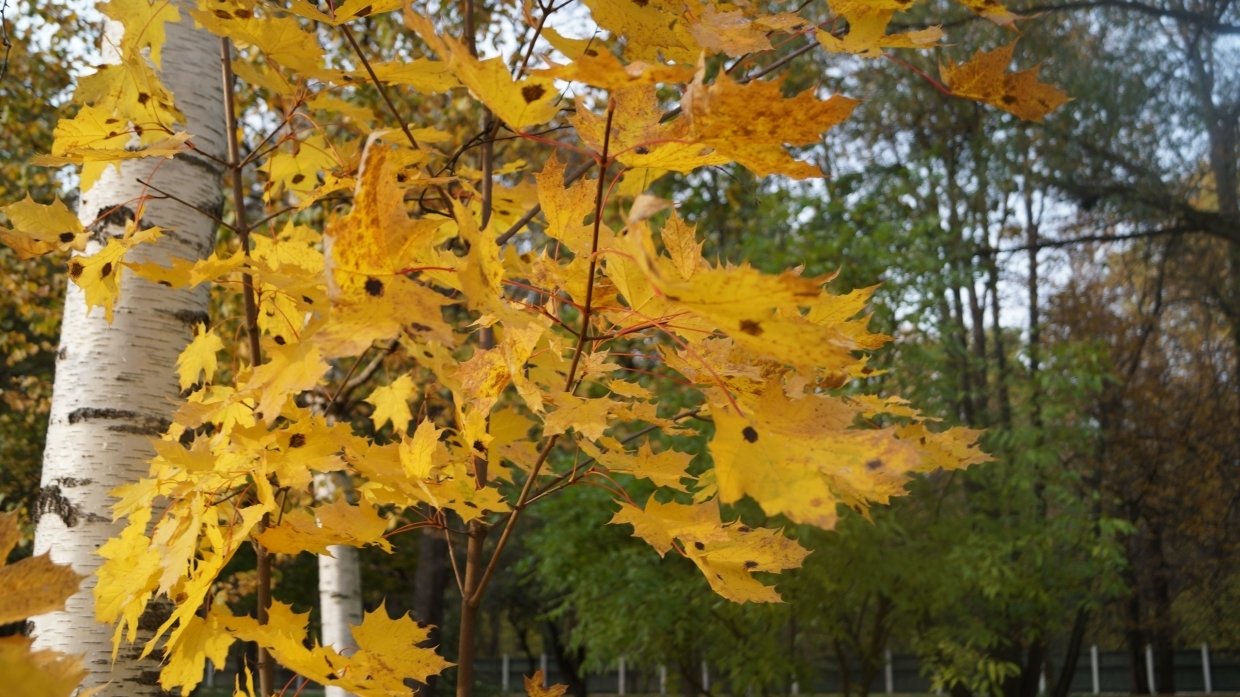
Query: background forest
point(1070, 286)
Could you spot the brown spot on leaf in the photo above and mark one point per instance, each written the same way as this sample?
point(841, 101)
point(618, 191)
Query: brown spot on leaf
point(106, 269)
point(297, 440)
point(751, 327)
point(751, 435)
point(532, 93)
point(280, 341)
point(374, 287)
point(365, 11)
point(699, 546)
point(67, 237)
point(298, 178)
point(75, 268)
point(751, 565)
point(875, 464)
point(223, 14)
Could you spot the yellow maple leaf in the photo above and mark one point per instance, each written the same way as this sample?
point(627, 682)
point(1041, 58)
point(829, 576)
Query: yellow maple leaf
point(34, 585)
point(666, 468)
point(640, 138)
point(295, 169)
point(335, 523)
point(654, 30)
point(41, 228)
point(534, 686)
point(131, 90)
point(518, 103)
point(391, 650)
point(422, 454)
point(726, 553)
point(38, 673)
point(985, 78)
point(752, 122)
point(391, 403)
point(203, 640)
point(99, 274)
point(198, 358)
point(800, 457)
point(144, 24)
point(289, 370)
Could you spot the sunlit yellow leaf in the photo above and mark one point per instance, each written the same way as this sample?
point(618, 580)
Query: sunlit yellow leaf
point(198, 358)
point(37, 228)
point(391, 403)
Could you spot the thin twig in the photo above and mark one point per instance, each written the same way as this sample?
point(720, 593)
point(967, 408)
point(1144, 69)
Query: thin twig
point(201, 211)
point(379, 86)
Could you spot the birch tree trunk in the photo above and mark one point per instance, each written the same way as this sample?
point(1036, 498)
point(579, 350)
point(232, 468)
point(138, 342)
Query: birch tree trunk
point(115, 384)
point(340, 583)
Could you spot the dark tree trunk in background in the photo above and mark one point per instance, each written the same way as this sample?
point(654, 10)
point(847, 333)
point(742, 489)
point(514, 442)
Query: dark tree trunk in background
point(429, 583)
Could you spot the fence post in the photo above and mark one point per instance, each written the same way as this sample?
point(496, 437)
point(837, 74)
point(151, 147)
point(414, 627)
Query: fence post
point(1042, 680)
point(705, 677)
point(796, 687)
point(1205, 667)
point(504, 678)
point(620, 685)
point(1149, 668)
point(1095, 682)
point(662, 680)
point(542, 665)
point(889, 677)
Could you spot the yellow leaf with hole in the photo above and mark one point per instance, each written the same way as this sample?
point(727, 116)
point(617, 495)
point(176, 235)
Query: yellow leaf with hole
point(144, 24)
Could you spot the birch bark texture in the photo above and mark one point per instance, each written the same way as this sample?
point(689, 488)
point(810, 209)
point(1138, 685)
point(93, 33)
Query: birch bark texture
point(340, 582)
point(116, 386)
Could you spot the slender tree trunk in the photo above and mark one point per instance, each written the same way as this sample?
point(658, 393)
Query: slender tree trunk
point(115, 384)
point(340, 583)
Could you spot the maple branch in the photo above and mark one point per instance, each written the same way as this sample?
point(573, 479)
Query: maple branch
point(266, 668)
point(559, 483)
point(1088, 239)
point(475, 597)
point(374, 79)
point(506, 533)
point(173, 197)
point(1188, 17)
point(599, 199)
point(288, 116)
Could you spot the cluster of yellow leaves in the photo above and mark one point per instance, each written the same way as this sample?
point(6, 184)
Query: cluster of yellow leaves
point(33, 586)
point(455, 422)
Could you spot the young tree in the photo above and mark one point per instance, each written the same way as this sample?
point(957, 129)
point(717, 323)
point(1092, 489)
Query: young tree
point(525, 361)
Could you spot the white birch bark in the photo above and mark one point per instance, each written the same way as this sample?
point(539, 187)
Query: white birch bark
point(340, 584)
point(115, 384)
